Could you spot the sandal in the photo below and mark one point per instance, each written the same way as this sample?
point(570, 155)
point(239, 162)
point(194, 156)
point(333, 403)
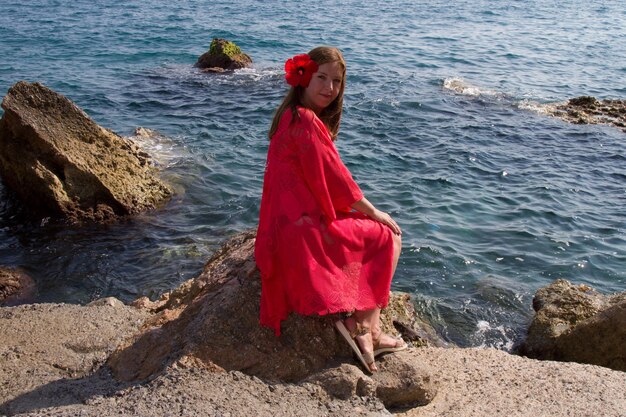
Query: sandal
point(366, 358)
point(397, 347)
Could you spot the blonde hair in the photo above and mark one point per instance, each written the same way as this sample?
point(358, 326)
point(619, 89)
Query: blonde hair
point(331, 115)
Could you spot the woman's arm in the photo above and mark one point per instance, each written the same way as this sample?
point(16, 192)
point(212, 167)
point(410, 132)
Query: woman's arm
point(365, 207)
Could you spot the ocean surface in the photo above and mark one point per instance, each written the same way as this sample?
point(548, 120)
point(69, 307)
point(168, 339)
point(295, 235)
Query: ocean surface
point(442, 128)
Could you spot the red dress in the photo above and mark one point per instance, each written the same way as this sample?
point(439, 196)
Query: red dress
point(314, 254)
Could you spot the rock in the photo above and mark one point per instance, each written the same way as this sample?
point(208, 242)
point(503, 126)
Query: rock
point(400, 315)
point(401, 382)
point(577, 324)
point(344, 382)
point(62, 164)
point(215, 318)
point(223, 55)
point(108, 301)
point(214, 70)
point(584, 101)
point(590, 110)
point(145, 133)
point(15, 286)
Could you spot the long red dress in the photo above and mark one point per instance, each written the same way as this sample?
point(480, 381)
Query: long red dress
point(314, 254)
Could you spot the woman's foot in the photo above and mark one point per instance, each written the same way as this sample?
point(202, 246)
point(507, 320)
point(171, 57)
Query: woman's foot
point(384, 343)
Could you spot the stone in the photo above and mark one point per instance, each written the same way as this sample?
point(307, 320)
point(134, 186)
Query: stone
point(402, 383)
point(340, 382)
point(223, 55)
point(108, 301)
point(575, 323)
point(15, 287)
point(215, 318)
point(63, 165)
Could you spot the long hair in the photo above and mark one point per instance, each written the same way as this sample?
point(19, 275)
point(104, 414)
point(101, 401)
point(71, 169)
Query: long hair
point(331, 115)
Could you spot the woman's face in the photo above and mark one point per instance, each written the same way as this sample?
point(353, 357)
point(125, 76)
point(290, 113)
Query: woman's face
point(324, 86)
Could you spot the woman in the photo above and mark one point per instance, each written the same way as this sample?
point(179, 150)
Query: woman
point(321, 246)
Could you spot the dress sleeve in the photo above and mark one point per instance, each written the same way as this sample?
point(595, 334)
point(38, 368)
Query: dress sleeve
point(325, 174)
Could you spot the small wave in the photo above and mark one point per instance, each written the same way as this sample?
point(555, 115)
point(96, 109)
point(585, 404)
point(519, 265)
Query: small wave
point(259, 73)
point(536, 107)
point(461, 86)
point(491, 336)
point(241, 76)
point(163, 150)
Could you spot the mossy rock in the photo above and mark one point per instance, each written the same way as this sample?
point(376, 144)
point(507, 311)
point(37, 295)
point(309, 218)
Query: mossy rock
point(222, 46)
point(224, 54)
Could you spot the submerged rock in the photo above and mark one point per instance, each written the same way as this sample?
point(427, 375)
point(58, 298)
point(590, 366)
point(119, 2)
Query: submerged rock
point(577, 324)
point(223, 55)
point(62, 164)
point(213, 320)
point(589, 110)
point(15, 287)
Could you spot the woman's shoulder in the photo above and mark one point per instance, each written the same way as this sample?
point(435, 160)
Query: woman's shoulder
point(302, 115)
point(306, 115)
point(301, 118)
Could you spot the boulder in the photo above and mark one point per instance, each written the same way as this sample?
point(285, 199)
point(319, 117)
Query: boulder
point(223, 55)
point(64, 165)
point(15, 286)
point(575, 323)
point(402, 383)
point(213, 320)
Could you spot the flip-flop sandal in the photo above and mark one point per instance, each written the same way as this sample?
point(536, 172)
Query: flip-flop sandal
point(389, 349)
point(343, 330)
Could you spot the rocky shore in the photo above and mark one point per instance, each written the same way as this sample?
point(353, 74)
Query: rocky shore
point(199, 350)
point(184, 355)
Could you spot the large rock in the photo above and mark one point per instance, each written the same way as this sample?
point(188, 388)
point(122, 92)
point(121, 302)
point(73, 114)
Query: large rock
point(577, 324)
point(223, 55)
point(213, 321)
point(62, 164)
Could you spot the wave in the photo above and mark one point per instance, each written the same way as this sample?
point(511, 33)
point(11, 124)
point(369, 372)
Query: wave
point(546, 109)
point(460, 86)
point(164, 151)
point(488, 335)
point(190, 73)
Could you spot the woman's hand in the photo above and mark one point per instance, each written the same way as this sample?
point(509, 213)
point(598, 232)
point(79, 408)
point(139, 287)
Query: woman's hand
point(385, 218)
point(365, 207)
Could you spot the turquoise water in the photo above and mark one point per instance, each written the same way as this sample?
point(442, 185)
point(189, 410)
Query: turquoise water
point(442, 127)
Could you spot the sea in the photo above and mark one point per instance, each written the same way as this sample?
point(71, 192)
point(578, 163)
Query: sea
point(443, 127)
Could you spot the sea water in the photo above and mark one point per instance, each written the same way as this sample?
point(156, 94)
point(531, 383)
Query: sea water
point(442, 128)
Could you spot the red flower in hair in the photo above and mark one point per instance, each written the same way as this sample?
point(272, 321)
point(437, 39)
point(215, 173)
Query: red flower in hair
point(299, 70)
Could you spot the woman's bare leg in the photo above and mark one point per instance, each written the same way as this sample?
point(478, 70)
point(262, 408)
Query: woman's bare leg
point(397, 248)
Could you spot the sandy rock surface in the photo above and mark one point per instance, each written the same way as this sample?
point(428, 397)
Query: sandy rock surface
point(42, 344)
point(51, 358)
point(490, 382)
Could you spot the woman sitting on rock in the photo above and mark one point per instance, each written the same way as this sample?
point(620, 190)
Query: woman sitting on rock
point(321, 246)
